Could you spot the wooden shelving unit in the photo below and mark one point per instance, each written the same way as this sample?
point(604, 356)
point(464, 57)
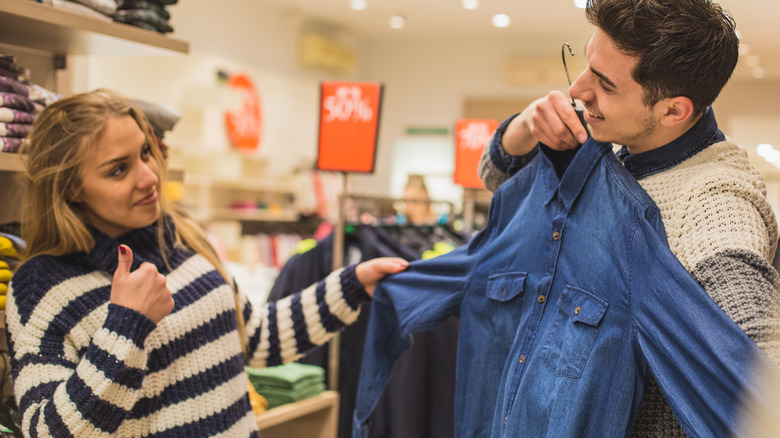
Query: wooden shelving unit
point(32, 25)
point(45, 28)
point(316, 417)
point(208, 199)
point(11, 162)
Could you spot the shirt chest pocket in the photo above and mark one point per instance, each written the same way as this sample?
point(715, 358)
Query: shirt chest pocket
point(505, 305)
point(574, 332)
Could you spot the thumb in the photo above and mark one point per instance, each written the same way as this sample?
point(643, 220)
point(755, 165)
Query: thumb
point(124, 261)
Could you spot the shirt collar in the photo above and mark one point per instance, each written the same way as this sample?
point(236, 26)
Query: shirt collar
point(577, 173)
point(704, 133)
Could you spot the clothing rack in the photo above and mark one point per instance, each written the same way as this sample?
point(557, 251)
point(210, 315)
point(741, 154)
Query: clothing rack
point(371, 210)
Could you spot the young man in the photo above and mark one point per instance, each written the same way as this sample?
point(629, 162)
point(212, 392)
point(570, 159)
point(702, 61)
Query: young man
point(654, 69)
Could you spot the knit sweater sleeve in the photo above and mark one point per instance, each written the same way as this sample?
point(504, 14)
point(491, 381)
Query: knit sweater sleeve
point(285, 330)
point(66, 381)
point(733, 263)
point(720, 225)
point(496, 166)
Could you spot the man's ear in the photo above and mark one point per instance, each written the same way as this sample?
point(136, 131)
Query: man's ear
point(675, 111)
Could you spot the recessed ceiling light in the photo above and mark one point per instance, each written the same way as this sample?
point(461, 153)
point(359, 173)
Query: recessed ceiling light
point(501, 20)
point(772, 156)
point(580, 3)
point(758, 72)
point(470, 4)
point(397, 22)
point(764, 150)
point(358, 5)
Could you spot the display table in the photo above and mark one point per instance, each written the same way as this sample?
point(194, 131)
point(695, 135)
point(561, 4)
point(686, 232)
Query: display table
point(315, 417)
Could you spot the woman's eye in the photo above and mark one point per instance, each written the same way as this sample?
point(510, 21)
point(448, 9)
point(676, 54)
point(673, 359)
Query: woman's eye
point(146, 152)
point(118, 170)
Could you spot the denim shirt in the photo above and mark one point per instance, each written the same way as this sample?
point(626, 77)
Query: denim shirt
point(566, 300)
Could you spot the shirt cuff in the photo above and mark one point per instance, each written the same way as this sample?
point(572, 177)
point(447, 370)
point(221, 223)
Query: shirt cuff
point(504, 162)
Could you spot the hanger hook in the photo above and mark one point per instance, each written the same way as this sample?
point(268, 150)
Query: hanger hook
point(565, 68)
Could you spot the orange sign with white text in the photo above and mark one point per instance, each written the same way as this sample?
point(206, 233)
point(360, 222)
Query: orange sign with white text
point(471, 138)
point(349, 124)
point(245, 124)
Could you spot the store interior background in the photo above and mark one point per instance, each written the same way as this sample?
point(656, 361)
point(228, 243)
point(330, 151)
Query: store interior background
point(446, 63)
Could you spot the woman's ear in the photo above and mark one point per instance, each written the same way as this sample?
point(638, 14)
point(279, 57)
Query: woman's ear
point(73, 196)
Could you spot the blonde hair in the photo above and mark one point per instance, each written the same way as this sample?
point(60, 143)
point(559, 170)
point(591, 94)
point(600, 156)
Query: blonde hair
point(63, 134)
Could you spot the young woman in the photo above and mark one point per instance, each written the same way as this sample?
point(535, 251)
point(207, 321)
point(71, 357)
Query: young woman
point(122, 321)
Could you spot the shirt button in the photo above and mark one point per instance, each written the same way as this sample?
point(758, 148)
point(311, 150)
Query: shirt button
point(577, 310)
point(556, 235)
point(522, 359)
point(540, 298)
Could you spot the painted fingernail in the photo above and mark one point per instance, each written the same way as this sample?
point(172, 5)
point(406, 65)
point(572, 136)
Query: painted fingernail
point(123, 249)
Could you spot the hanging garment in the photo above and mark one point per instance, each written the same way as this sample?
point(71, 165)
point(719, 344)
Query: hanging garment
point(419, 399)
point(567, 300)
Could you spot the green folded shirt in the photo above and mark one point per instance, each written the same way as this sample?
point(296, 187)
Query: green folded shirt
point(287, 383)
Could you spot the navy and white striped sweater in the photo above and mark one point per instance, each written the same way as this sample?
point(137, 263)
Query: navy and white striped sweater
point(83, 367)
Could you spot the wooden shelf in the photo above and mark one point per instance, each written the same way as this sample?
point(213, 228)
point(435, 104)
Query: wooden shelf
point(43, 27)
point(11, 162)
point(316, 417)
point(247, 215)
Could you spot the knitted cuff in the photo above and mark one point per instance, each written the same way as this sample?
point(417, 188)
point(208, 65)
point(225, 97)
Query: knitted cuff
point(354, 292)
point(129, 323)
point(504, 162)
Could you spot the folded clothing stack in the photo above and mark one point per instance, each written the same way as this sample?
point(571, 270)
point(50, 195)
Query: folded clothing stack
point(11, 246)
point(17, 109)
point(287, 383)
point(148, 14)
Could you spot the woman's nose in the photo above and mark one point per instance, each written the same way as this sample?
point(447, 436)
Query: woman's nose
point(148, 174)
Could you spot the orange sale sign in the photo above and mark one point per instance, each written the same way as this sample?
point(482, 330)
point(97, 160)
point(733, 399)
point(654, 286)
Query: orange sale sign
point(471, 137)
point(244, 125)
point(349, 124)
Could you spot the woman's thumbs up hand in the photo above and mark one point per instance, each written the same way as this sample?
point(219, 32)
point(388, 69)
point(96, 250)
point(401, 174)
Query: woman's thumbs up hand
point(144, 289)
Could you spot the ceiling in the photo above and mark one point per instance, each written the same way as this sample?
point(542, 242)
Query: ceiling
point(533, 21)
point(535, 25)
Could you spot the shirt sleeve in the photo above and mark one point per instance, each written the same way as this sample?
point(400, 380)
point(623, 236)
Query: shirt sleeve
point(703, 362)
point(285, 330)
point(417, 299)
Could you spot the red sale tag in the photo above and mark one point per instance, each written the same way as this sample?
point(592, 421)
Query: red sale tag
point(349, 123)
point(471, 137)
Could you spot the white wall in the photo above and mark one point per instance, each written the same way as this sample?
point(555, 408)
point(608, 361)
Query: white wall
point(425, 82)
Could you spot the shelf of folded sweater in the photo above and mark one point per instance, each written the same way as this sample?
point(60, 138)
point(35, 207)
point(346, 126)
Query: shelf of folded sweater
point(50, 29)
point(295, 391)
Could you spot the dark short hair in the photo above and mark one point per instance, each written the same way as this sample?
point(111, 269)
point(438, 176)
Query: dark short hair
point(683, 47)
